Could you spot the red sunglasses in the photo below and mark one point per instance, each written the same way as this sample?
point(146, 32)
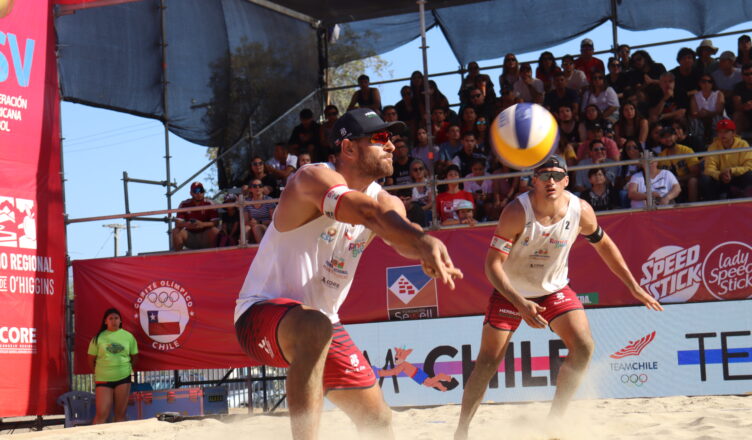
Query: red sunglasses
point(380, 138)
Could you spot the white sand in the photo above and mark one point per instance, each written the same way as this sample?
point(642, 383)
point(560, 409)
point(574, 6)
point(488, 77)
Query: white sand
point(685, 418)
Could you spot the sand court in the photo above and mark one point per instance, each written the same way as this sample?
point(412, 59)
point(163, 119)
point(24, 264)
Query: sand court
point(664, 418)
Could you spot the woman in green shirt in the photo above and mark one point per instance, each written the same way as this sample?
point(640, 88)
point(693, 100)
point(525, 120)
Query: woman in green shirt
point(112, 355)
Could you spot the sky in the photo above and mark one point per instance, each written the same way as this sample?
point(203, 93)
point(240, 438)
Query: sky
point(99, 145)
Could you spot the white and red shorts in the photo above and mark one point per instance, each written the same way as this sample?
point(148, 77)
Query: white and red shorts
point(502, 315)
point(345, 366)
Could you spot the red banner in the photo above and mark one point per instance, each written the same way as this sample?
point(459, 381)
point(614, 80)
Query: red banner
point(180, 306)
point(32, 232)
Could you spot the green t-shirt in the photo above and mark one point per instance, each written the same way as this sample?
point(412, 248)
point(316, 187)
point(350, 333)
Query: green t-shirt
point(113, 351)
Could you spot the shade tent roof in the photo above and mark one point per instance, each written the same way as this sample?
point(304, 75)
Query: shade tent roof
point(231, 65)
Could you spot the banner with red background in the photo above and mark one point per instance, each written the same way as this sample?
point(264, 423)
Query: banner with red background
point(180, 306)
point(32, 232)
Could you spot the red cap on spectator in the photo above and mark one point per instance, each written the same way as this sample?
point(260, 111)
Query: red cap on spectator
point(197, 187)
point(726, 124)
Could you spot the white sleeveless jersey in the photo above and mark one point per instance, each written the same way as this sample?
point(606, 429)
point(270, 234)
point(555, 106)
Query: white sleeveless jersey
point(538, 262)
point(314, 264)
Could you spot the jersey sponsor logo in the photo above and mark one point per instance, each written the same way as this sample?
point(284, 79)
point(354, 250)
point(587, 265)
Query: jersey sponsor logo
point(540, 254)
point(509, 313)
point(411, 294)
point(266, 346)
point(164, 309)
point(560, 297)
point(336, 266)
point(672, 273)
point(357, 248)
point(537, 265)
point(727, 270)
point(328, 235)
point(558, 244)
point(18, 225)
point(329, 283)
point(526, 241)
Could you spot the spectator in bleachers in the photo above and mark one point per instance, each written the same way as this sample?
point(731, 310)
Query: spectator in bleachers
point(631, 125)
point(437, 99)
point(510, 72)
point(446, 200)
point(504, 191)
point(422, 196)
point(576, 78)
point(705, 61)
point(686, 77)
point(684, 137)
point(744, 51)
point(366, 96)
point(644, 71)
point(661, 101)
point(453, 144)
point(631, 151)
point(568, 130)
point(331, 113)
point(390, 113)
point(306, 135)
point(475, 79)
point(259, 171)
point(616, 78)
point(527, 88)
point(304, 159)
point(687, 171)
point(439, 126)
point(468, 118)
point(726, 77)
point(463, 214)
point(730, 174)
point(421, 150)
point(282, 164)
point(417, 92)
point(401, 161)
point(258, 215)
point(229, 230)
point(653, 143)
point(602, 195)
point(482, 106)
point(407, 111)
point(591, 114)
point(706, 108)
point(546, 69)
point(560, 95)
point(623, 58)
point(468, 153)
point(195, 229)
point(481, 129)
point(482, 190)
point(742, 97)
point(507, 99)
point(597, 155)
point(586, 62)
point(665, 188)
point(566, 150)
point(602, 96)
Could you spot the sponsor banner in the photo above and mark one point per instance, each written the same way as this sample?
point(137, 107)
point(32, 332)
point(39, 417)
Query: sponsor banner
point(687, 265)
point(32, 233)
point(690, 349)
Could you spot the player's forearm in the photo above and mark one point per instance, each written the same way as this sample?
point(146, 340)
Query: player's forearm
point(611, 255)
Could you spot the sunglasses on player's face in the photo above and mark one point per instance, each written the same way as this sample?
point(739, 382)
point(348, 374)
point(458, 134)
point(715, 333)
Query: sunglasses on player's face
point(380, 138)
point(545, 176)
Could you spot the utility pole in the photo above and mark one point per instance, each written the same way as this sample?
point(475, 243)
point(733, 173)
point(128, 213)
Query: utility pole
point(116, 230)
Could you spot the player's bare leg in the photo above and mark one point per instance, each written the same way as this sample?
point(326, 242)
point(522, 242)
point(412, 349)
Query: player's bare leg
point(304, 337)
point(573, 328)
point(493, 345)
point(367, 409)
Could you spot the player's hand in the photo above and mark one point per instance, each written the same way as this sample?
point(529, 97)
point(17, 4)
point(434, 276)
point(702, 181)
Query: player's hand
point(436, 262)
point(647, 299)
point(531, 313)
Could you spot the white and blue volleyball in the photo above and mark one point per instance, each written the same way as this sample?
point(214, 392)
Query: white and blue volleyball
point(524, 135)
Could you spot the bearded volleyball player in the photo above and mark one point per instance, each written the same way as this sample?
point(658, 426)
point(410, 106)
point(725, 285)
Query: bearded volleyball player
point(527, 265)
point(286, 313)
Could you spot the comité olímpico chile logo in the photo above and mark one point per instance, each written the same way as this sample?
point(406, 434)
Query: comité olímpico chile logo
point(164, 309)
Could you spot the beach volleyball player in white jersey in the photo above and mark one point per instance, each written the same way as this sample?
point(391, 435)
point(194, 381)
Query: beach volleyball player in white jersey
point(286, 313)
point(527, 265)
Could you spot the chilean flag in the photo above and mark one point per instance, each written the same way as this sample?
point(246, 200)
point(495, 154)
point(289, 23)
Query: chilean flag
point(163, 322)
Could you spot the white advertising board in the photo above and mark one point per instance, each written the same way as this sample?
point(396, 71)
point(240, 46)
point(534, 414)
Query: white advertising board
point(689, 349)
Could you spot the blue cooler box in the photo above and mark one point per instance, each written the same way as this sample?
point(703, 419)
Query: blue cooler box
point(185, 401)
point(215, 400)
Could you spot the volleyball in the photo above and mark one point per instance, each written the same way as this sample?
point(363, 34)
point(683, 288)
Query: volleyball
point(524, 135)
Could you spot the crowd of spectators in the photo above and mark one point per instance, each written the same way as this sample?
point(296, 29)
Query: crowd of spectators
point(620, 109)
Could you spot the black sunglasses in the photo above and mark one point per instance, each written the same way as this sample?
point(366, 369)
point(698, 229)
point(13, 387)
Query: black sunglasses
point(545, 176)
point(475, 95)
point(257, 185)
point(258, 162)
point(418, 169)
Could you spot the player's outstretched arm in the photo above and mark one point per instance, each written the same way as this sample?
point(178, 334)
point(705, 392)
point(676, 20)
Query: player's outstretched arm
point(611, 255)
point(510, 226)
point(327, 191)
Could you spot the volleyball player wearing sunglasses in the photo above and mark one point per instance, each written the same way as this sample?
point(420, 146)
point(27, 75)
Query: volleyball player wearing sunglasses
point(286, 314)
point(527, 265)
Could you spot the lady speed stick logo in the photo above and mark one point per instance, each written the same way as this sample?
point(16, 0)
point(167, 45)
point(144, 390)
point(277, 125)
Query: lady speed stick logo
point(727, 271)
point(672, 273)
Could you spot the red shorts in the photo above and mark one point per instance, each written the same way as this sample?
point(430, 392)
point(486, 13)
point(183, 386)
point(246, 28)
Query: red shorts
point(502, 315)
point(345, 367)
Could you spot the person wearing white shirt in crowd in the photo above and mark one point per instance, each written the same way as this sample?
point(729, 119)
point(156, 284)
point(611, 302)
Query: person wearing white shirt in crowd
point(527, 88)
point(282, 164)
point(603, 97)
point(481, 190)
point(663, 184)
point(576, 79)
